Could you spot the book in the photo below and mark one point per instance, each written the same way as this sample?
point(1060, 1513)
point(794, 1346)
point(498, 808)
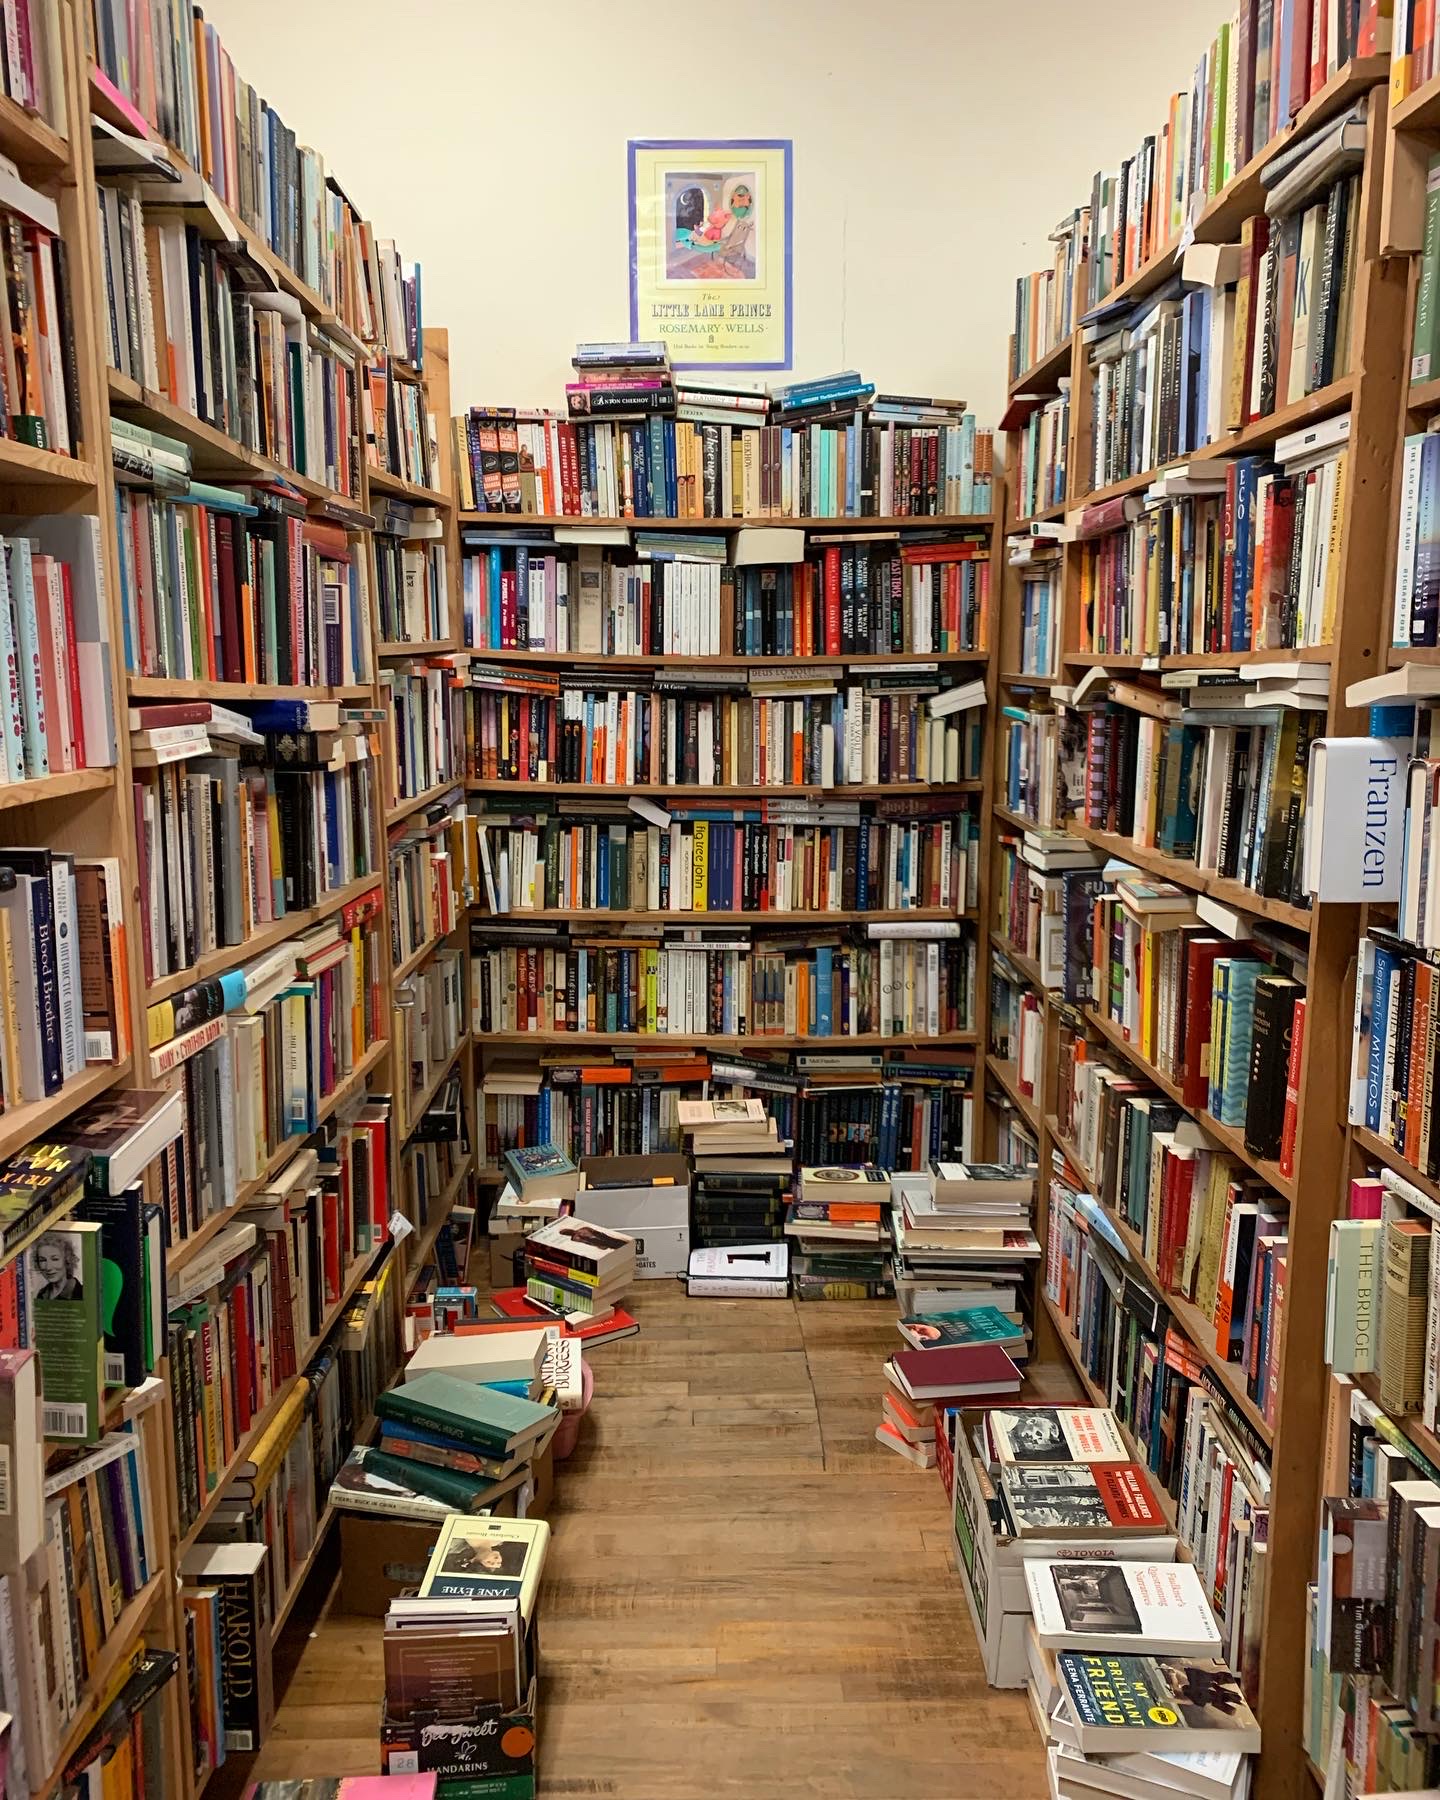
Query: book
point(472, 1414)
point(488, 1561)
point(758, 1271)
point(957, 1370)
point(237, 1573)
point(1052, 1434)
point(1155, 1705)
point(1054, 1500)
point(543, 1173)
point(64, 1299)
point(1142, 1608)
point(978, 1325)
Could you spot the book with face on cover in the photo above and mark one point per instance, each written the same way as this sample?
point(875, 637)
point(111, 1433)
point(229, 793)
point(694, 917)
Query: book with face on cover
point(488, 1561)
point(1052, 1434)
point(1156, 1609)
point(1053, 1500)
point(979, 1325)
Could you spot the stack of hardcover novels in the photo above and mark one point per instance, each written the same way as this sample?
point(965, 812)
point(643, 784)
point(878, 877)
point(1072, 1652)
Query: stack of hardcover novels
point(962, 1229)
point(839, 1229)
point(461, 1659)
point(1164, 1726)
point(743, 1173)
point(577, 1267)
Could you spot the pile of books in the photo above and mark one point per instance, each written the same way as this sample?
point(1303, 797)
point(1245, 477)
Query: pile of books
point(632, 444)
point(922, 1385)
point(839, 1229)
point(962, 1229)
point(577, 1267)
point(462, 1441)
point(461, 1657)
point(743, 1173)
point(1169, 1727)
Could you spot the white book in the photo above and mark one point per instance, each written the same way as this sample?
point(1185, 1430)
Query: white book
point(1156, 1609)
point(1055, 1434)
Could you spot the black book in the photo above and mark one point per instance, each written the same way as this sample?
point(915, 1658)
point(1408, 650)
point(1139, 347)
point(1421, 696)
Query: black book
point(1274, 1017)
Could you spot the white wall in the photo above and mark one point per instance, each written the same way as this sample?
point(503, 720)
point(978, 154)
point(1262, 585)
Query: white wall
point(937, 142)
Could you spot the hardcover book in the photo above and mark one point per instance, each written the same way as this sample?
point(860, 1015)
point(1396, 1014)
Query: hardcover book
point(64, 1294)
point(542, 1173)
point(475, 1415)
point(488, 1560)
point(958, 1372)
point(980, 1325)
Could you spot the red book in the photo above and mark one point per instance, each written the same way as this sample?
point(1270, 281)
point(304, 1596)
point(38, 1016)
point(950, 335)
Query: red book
point(1319, 56)
point(1200, 954)
point(1277, 1331)
point(959, 1371)
point(832, 600)
point(232, 651)
point(1300, 59)
point(1292, 1091)
point(513, 1303)
point(1124, 1489)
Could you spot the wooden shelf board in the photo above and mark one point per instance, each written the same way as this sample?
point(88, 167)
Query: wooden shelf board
point(396, 814)
point(1200, 881)
point(426, 1241)
point(1371, 1144)
point(1423, 396)
point(1050, 515)
point(23, 466)
point(889, 522)
point(413, 961)
point(1408, 1425)
point(383, 482)
point(157, 687)
point(20, 1125)
point(1098, 1397)
point(685, 794)
point(1022, 964)
point(1019, 680)
point(759, 1042)
point(28, 140)
point(1018, 821)
point(1045, 372)
point(1400, 654)
point(59, 786)
point(572, 659)
point(108, 1660)
point(1419, 110)
point(1224, 1137)
point(1200, 659)
point(1007, 1076)
point(1199, 1330)
point(690, 920)
point(265, 937)
point(298, 1580)
point(393, 649)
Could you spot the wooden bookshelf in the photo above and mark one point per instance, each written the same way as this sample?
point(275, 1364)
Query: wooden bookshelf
point(864, 522)
point(1323, 938)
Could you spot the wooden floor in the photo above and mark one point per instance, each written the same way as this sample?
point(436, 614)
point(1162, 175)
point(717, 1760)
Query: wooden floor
point(745, 1596)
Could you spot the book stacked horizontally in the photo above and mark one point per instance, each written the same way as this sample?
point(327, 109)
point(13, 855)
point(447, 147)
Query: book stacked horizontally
point(577, 1267)
point(839, 1229)
point(962, 1235)
point(921, 1384)
point(460, 1655)
point(448, 1442)
point(742, 1173)
point(1151, 1726)
point(620, 381)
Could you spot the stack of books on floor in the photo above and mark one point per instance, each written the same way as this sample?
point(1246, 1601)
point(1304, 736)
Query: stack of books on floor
point(962, 1229)
point(1162, 1727)
point(839, 1229)
point(452, 1441)
point(743, 1173)
point(461, 1660)
point(739, 1272)
point(921, 1385)
point(576, 1267)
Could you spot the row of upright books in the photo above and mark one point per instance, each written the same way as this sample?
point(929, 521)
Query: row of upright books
point(548, 862)
point(168, 66)
point(638, 442)
point(699, 729)
point(767, 985)
point(694, 596)
point(1045, 300)
point(1264, 64)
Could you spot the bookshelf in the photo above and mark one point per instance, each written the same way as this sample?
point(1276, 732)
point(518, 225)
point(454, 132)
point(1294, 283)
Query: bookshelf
point(1049, 548)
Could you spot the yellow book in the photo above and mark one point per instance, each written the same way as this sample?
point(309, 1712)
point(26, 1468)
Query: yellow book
point(1337, 534)
point(700, 869)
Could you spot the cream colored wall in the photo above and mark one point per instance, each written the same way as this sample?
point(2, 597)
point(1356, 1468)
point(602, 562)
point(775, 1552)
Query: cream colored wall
point(490, 142)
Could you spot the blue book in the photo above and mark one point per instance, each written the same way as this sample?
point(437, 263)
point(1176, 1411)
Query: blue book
point(1239, 587)
point(1219, 997)
point(824, 978)
point(1385, 995)
point(640, 471)
point(1200, 423)
point(672, 504)
point(1239, 1031)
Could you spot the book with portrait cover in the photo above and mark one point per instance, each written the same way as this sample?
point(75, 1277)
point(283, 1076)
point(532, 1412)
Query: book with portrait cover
point(1051, 1434)
point(488, 1560)
point(1052, 1500)
point(1161, 1704)
point(1157, 1609)
point(980, 1325)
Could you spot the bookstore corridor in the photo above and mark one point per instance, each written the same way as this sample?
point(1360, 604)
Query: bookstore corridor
point(745, 1595)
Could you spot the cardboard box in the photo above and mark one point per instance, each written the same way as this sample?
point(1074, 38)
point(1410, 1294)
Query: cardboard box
point(658, 1218)
point(380, 1559)
point(505, 1247)
point(992, 1564)
point(493, 1753)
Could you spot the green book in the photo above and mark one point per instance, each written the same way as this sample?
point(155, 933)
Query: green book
point(1423, 345)
point(63, 1285)
point(466, 1411)
point(462, 1492)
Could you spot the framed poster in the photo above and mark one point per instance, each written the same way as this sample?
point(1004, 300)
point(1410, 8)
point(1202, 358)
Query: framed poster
point(710, 250)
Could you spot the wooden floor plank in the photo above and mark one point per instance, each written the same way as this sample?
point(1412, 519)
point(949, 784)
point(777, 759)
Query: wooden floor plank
point(746, 1598)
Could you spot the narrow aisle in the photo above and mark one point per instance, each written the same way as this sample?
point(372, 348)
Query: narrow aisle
point(745, 1596)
